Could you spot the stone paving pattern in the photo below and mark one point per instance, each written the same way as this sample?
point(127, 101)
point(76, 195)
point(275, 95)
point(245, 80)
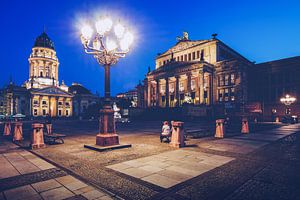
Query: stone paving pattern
point(262, 165)
point(20, 164)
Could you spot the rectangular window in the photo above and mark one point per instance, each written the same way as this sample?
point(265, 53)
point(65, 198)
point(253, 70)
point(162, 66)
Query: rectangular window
point(193, 84)
point(171, 87)
point(185, 57)
point(226, 94)
point(162, 89)
point(44, 102)
point(59, 112)
point(60, 103)
point(35, 112)
point(232, 94)
point(232, 79)
point(67, 104)
point(181, 86)
point(35, 102)
point(181, 58)
point(220, 95)
point(226, 79)
point(221, 80)
point(194, 55)
point(67, 112)
point(198, 54)
point(190, 56)
point(44, 112)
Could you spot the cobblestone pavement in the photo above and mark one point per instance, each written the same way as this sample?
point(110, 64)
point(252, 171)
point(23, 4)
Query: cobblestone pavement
point(261, 165)
point(23, 175)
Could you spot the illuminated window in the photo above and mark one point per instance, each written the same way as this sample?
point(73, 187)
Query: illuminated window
point(162, 89)
point(35, 102)
point(181, 86)
point(226, 94)
point(232, 94)
point(232, 79)
point(172, 89)
point(220, 95)
point(35, 112)
point(193, 84)
point(226, 79)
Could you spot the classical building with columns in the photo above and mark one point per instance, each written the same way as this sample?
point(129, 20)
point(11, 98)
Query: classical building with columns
point(198, 72)
point(41, 94)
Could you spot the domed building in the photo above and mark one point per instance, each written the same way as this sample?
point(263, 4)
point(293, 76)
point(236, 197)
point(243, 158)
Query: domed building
point(47, 95)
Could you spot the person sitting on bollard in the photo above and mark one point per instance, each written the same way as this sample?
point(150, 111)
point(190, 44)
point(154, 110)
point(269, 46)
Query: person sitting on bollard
point(166, 132)
point(49, 124)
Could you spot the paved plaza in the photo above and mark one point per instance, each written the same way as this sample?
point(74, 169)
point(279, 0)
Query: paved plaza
point(260, 165)
point(26, 176)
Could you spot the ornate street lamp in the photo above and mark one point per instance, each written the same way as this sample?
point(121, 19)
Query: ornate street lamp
point(109, 43)
point(287, 100)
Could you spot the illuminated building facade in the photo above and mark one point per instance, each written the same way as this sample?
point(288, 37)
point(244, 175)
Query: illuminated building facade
point(197, 72)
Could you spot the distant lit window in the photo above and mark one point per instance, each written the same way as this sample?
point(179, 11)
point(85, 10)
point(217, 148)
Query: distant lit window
point(35, 112)
point(193, 84)
point(232, 97)
point(67, 104)
point(162, 89)
point(172, 89)
point(181, 86)
point(232, 79)
point(35, 102)
point(226, 94)
point(226, 79)
point(44, 102)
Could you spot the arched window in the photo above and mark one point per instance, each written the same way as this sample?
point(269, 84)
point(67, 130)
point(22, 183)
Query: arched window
point(41, 74)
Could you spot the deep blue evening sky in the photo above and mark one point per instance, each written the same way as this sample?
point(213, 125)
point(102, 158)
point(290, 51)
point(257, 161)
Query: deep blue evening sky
point(259, 30)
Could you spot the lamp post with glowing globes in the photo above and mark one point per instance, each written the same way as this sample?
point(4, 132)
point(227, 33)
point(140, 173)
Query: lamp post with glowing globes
point(107, 44)
point(287, 100)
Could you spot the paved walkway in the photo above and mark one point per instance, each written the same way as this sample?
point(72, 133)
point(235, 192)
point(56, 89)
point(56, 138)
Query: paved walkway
point(171, 168)
point(26, 176)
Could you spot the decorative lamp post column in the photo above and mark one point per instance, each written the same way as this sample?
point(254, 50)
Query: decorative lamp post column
point(108, 44)
point(287, 100)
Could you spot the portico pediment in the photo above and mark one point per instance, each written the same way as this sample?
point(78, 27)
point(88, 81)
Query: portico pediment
point(51, 91)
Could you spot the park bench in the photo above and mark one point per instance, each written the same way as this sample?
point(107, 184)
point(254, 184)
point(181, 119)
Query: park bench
point(54, 137)
point(195, 133)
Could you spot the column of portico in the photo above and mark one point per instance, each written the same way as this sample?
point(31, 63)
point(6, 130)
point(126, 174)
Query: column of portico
point(211, 86)
point(201, 87)
point(167, 92)
point(56, 112)
point(189, 82)
point(177, 91)
point(157, 93)
point(149, 95)
point(49, 106)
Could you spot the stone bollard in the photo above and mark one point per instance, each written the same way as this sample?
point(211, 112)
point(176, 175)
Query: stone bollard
point(220, 129)
point(7, 129)
point(177, 139)
point(277, 120)
point(37, 137)
point(18, 131)
point(245, 125)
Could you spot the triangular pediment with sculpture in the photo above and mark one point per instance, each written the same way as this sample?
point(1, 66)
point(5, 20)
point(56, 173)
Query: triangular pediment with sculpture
point(51, 91)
